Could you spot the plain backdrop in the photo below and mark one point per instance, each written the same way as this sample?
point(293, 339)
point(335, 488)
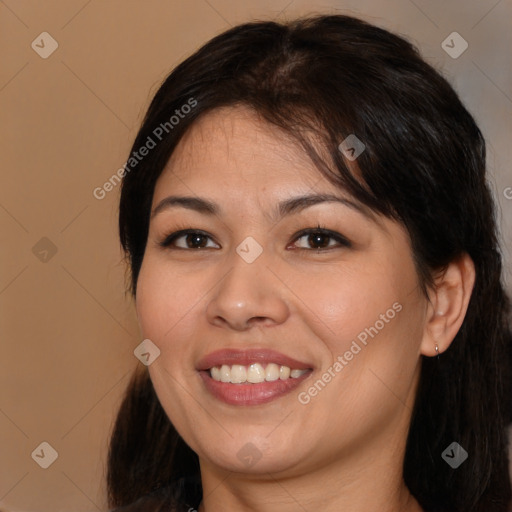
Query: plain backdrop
point(67, 328)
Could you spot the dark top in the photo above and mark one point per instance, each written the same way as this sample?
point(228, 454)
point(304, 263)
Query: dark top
point(182, 496)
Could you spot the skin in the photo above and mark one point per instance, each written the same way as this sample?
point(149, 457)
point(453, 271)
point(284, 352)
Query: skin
point(344, 449)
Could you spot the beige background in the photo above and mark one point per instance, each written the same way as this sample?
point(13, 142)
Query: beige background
point(67, 329)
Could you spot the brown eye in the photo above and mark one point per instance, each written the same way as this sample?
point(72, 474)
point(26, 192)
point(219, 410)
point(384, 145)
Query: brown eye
point(188, 239)
point(319, 239)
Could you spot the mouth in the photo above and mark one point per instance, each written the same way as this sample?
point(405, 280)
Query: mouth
point(251, 377)
point(254, 373)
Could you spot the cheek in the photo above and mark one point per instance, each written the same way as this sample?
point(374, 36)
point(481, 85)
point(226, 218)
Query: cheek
point(166, 302)
point(370, 325)
point(344, 302)
point(368, 312)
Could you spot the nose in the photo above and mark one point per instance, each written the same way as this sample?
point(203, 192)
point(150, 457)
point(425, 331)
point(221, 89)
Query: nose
point(249, 295)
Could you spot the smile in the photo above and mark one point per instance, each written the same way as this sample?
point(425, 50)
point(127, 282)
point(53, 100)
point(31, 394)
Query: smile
point(251, 376)
point(254, 373)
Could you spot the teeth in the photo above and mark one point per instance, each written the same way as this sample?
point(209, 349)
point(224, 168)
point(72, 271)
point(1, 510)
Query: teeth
point(225, 373)
point(238, 374)
point(215, 373)
point(272, 372)
point(254, 373)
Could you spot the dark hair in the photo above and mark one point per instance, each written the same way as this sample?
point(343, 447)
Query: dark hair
point(321, 79)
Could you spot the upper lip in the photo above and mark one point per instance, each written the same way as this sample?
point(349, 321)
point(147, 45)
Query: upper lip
point(249, 356)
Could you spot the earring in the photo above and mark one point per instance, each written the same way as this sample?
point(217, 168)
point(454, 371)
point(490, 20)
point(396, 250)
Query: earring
point(437, 351)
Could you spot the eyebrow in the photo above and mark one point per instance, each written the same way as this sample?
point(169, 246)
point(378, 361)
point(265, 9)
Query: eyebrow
point(286, 207)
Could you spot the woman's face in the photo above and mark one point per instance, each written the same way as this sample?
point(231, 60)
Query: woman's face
point(255, 296)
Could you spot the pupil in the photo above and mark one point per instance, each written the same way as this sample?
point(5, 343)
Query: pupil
point(195, 240)
point(318, 239)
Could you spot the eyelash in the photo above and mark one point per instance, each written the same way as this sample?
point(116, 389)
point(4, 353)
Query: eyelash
point(340, 239)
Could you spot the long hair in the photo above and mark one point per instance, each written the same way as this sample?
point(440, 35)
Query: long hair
point(321, 79)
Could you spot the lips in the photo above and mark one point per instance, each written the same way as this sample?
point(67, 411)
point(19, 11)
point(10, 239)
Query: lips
point(245, 394)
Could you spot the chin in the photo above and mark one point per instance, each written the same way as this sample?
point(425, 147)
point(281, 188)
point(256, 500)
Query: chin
point(254, 455)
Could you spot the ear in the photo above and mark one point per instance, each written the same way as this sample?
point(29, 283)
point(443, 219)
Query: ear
point(448, 303)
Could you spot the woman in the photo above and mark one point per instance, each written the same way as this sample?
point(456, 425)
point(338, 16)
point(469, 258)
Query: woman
point(316, 274)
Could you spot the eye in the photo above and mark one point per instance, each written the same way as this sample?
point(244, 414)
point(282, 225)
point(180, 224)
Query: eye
point(309, 239)
point(187, 239)
point(320, 239)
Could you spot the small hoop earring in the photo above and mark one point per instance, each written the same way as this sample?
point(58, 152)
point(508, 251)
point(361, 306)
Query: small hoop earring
point(437, 351)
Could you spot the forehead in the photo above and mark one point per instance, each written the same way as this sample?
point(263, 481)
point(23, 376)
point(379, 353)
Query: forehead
point(233, 157)
point(234, 146)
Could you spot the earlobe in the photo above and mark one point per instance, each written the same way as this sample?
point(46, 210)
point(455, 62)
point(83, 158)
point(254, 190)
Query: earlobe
point(449, 300)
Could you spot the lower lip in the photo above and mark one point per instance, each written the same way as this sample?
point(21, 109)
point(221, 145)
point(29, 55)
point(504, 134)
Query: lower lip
point(250, 394)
